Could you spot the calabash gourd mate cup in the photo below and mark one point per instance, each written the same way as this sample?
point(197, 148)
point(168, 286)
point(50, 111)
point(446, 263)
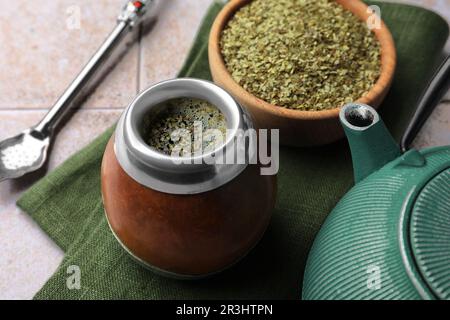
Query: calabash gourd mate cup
point(183, 220)
point(389, 237)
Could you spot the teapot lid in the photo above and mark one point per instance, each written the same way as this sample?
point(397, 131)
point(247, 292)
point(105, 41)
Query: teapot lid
point(430, 234)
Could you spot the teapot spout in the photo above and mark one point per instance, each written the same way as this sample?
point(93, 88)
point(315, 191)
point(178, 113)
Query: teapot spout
point(371, 144)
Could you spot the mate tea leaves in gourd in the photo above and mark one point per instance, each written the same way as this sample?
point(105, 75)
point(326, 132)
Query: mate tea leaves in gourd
point(301, 54)
point(175, 124)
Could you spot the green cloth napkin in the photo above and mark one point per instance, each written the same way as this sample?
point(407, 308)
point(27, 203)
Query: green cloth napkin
point(67, 203)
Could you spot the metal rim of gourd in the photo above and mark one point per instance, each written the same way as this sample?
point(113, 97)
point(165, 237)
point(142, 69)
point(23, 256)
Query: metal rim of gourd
point(163, 172)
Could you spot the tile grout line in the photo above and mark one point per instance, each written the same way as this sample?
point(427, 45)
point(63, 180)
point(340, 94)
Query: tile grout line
point(46, 109)
point(9, 109)
point(139, 61)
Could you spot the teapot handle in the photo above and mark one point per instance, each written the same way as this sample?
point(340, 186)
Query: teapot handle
point(431, 97)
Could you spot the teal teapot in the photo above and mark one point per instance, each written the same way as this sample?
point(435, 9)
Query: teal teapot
point(389, 236)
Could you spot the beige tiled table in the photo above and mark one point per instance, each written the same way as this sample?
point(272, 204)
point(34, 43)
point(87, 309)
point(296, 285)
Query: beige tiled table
point(42, 49)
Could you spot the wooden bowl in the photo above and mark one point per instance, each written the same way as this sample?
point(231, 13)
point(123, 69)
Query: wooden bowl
point(300, 128)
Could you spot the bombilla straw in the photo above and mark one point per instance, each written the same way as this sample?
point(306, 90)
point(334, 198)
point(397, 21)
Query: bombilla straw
point(27, 151)
point(129, 16)
point(431, 97)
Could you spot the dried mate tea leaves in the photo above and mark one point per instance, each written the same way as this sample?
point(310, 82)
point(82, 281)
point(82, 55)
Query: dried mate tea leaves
point(301, 54)
point(164, 128)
